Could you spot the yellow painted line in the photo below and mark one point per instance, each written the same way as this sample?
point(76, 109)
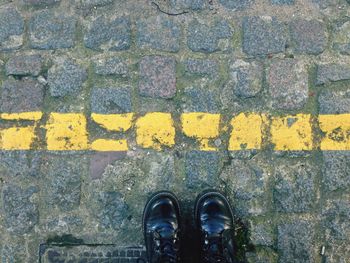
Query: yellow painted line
point(157, 130)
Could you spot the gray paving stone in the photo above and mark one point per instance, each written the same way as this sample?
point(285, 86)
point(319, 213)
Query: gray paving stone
point(295, 242)
point(93, 3)
point(236, 4)
point(113, 209)
point(21, 96)
point(336, 218)
point(111, 100)
point(262, 234)
point(334, 101)
point(63, 179)
point(263, 36)
point(282, 2)
point(11, 29)
point(111, 66)
point(201, 169)
point(327, 73)
point(246, 78)
point(23, 65)
point(106, 33)
point(309, 36)
point(65, 77)
point(341, 36)
point(201, 100)
point(19, 164)
point(295, 189)
point(41, 2)
point(51, 31)
point(189, 4)
point(336, 171)
point(157, 77)
point(21, 215)
point(202, 67)
point(207, 38)
point(159, 33)
point(288, 84)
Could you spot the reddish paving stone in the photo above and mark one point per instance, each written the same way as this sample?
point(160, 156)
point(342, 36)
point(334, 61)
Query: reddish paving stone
point(100, 160)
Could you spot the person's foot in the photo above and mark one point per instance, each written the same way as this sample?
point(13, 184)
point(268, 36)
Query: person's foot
point(161, 228)
point(214, 222)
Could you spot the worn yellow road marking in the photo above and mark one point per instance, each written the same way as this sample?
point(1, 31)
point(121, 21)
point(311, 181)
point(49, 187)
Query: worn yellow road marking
point(202, 126)
point(292, 133)
point(156, 130)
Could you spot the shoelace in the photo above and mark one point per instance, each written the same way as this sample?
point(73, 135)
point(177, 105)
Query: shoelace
point(213, 249)
point(165, 248)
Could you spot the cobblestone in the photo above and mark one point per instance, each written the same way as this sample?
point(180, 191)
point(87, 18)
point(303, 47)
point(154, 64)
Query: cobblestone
point(295, 242)
point(111, 100)
point(50, 31)
point(159, 33)
point(11, 29)
point(295, 189)
point(336, 173)
point(19, 164)
point(236, 5)
point(263, 36)
point(43, 3)
point(309, 36)
point(202, 67)
point(288, 84)
point(108, 34)
point(21, 95)
point(157, 77)
point(65, 77)
point(208, 38)
point(94, 3)
point(342, 37)
point(334, 102)
point(283, 2)
point(24, 65)
point(189, 4)
point(21, 215)
point(201, 100)
point(261, 233)
point(111, 66)
point(332, 72)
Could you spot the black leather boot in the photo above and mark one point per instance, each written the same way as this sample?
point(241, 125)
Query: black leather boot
point(161, 228)
point(214, 222)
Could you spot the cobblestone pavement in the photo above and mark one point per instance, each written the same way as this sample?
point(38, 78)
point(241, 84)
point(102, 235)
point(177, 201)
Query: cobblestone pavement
point(277, 57)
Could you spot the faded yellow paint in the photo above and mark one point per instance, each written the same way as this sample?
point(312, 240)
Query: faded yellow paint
point(155, 130)
point(114, 122)
point(337, 132)
point(292, 133)
point(247, 131)
point(107, 145)
point(17, 138)
point(66, 131)
point(31, 116)
point(202, 126)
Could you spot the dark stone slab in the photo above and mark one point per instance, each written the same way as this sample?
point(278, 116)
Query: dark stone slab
point(105, 33)
point(201, 100)
point(295, 189)
point(100, 160)
point(309, 36)
point(21, 96)
point(334, 101)
point(263, 36)
point(288, 84)
point(236, 4)
point(111, 66)
point(295, 242)
point(336, 170)
point(206, 38)
point(24, 65)
point(159, 33)
point(65, 77)
point(111, 100)
point(202, 67)
point(332, 72)
point(157, 77)
point(21, 215)
point(50, 31)
point(11, 29)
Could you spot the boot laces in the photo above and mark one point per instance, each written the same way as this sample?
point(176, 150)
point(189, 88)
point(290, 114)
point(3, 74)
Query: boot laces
point(165, 248)
point(213, 249)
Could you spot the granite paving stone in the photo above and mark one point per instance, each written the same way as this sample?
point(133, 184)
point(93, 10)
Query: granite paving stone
point(327, 73)
point(48, 30)
point(334, 101)
point(341, 36)
point(65, 77)
point(202, 67)
point(157, 77)
point(108, 33)
point(309, 36)
point(42, 3)
point(111, 100)
point(288, 84)
point(201, 100)
point(236, 5)
point(111, 66)
point(283, 2)
point(23, 65)
point(263, 36)
point(11, 29)
point(21, 95)
point(336, 173)
point(159, 33)
point(189, 4)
